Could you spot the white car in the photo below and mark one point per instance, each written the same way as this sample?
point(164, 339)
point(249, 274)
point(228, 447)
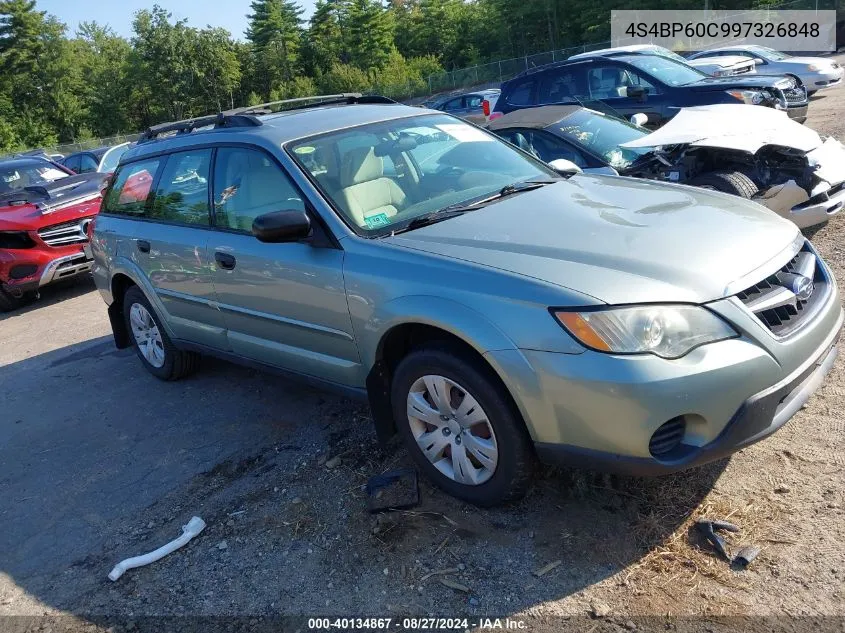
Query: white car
point(722, 66)
point(816, 73)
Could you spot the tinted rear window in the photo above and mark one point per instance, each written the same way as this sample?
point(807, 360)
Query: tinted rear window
point(522, 93)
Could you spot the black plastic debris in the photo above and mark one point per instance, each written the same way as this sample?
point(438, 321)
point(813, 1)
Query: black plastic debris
point(393, 490)
point(744, 556)
point(708, 529)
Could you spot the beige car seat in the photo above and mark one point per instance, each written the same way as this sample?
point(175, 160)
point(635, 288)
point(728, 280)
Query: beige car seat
point(365, 190)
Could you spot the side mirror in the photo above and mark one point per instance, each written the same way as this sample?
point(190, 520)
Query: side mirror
point(639, 119)
point(565, 167)
point(282, 226)
point(636, 92)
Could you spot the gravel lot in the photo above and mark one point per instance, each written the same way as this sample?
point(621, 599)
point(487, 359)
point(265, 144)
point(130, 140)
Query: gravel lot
point(100, 461)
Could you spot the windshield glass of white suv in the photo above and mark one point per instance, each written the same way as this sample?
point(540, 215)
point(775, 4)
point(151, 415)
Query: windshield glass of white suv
point(603, 135)
point(111, 158)
point(667, 70)
point(385, 174)
point(769, 54)
point(28, 174)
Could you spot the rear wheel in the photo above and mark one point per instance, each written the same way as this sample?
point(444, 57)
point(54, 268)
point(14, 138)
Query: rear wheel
point(459, 427)
point(155, 349)
point(733, 182)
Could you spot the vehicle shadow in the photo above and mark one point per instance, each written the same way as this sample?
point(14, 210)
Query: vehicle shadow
point(100, 461)
point(53, 294)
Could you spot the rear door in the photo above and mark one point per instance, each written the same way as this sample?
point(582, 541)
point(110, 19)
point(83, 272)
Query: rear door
point(283, 304)
point(163, 205)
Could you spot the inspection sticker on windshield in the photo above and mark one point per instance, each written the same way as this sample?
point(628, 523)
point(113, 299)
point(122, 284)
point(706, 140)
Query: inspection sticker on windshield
point(464, 133)
point(377, 220)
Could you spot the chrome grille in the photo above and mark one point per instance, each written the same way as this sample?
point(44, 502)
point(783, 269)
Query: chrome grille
point(75, 232)
point(778, 300)
point(795, 95)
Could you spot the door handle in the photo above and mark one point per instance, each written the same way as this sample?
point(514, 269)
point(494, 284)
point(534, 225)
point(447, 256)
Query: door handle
point(143, 246)
point(225, 261)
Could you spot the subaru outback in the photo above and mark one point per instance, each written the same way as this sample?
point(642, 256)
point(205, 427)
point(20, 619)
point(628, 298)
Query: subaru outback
point(494, 312)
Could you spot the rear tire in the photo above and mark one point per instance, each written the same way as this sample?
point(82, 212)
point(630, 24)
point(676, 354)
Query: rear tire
point(491, 451)
point(732, 182)
point(155, 349)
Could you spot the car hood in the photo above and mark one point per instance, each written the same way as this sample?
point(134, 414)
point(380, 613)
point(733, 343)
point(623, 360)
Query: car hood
point(617, 239)
point(61, 201)
point(737, 82)
point(734, 126)
point(725, 61)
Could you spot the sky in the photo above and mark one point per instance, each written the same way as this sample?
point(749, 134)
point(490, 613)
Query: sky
point(230, 14)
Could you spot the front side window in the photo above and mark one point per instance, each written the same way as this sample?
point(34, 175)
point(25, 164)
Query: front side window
point(612, 82)
point(182, 192)
point(666, 70)
point(444, 162)
point(767, 53)
point(131, 188)
point(247, 183)
point(72, 163)
point(87, 164)
point(545, 146)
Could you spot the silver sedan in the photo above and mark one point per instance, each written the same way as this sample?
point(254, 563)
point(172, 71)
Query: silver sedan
point(816, 73)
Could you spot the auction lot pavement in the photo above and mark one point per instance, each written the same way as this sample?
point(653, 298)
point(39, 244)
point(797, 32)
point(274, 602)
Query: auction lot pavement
point(100, 461)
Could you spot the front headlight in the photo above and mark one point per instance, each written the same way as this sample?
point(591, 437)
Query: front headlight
point(668, 331)
point(751, 97)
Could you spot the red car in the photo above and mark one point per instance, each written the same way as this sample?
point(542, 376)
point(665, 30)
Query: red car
point(45, 214)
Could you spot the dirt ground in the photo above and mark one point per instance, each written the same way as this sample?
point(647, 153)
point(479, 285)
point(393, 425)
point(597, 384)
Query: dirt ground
point(99, 461)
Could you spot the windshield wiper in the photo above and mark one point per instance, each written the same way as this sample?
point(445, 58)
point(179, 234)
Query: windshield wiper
point(463, 207)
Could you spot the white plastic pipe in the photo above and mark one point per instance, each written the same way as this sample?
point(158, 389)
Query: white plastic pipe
point(189, 531)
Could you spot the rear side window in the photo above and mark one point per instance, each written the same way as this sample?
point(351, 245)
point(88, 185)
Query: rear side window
point(131, 189)
point(87, 163)
point(562, 86)
point(522, 93)
point(182, 191)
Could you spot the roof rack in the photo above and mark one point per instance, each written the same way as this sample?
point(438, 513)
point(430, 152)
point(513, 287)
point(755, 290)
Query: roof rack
point(348, 98)
point(248, 115)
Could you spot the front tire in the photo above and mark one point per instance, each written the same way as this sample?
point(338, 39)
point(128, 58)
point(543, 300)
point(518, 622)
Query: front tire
point(10, 302)
point(155, 349)
point(732, 182)
point(461, 429)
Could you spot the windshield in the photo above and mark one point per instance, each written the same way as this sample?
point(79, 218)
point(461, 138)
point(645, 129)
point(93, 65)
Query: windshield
point(665, 52)
point(383, 175)
point(666, 70)
point(26, 174)
point(769, 54)
point(603, 135)
point(111, 158)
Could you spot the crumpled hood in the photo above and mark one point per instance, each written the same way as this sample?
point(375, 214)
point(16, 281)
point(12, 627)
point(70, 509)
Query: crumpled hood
point(67, 199)
point(735, 126)
point(620, 240)
point(749, 80)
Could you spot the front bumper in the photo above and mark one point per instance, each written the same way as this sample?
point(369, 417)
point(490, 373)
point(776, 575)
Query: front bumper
point(601, 411)
point(809, 214)
point(25, 270)
point(797, 112)
point(822, 80)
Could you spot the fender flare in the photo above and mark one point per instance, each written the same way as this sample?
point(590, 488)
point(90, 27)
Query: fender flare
point(125, 266)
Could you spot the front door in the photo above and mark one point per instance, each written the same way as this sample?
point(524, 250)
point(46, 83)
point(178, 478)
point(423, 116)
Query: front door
point(283, 304)
point(612, 84)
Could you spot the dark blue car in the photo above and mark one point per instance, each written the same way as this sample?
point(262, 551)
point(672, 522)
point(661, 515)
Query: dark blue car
point(650, 84)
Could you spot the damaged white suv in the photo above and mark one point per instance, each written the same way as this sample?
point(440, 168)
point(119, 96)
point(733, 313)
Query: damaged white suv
point(749, 151)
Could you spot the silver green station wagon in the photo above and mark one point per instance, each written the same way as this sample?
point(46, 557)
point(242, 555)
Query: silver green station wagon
point(493, 311)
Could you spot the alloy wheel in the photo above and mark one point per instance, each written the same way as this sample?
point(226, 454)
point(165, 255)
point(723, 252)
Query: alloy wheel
point(147, 335)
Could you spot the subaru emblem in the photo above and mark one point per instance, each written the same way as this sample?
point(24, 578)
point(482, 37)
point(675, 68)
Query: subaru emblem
point(802, 287)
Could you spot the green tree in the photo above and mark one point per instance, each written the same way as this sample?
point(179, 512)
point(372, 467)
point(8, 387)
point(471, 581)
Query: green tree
point(275, 34)
point(321, 46)
point(368, 31)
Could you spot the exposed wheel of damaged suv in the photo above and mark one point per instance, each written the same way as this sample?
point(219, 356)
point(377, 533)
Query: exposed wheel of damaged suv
point(459, 428)
point(10, 301)
point(733, 182)
point(161, 358)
